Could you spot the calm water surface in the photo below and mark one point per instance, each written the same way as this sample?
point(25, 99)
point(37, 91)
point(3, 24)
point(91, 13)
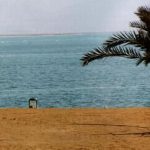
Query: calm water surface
point(49, 68)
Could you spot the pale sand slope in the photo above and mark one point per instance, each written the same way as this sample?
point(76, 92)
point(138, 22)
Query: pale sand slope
point(75, 129)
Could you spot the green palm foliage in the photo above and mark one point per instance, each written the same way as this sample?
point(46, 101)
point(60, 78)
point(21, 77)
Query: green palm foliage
point(134, 44)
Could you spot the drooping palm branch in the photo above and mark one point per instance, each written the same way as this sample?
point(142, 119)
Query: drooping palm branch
point(100, 53)
point(137, 39)
point(120, 44)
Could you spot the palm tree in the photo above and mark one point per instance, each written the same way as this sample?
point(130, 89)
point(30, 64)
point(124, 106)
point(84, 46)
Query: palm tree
point(134, 44)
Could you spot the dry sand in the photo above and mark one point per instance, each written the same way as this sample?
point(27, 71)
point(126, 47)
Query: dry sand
point(75, 129)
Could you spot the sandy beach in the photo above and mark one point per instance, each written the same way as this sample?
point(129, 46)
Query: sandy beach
point(75, 129)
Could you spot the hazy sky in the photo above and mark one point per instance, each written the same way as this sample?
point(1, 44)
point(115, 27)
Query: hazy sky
point(63, 16)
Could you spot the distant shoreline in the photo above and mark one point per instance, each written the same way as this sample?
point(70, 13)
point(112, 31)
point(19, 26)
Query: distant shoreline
point(50, 34)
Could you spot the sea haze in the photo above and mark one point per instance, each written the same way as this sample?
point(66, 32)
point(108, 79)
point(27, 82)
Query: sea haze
point(49, 68)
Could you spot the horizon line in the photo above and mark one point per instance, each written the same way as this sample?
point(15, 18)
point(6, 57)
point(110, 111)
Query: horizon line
point(49, 34)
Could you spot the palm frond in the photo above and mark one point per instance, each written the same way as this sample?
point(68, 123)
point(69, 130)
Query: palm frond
point(117, 44)
point(142, 11)
point(127, 38)
point(144, 14)
point(139, 25)
point(146, 58)
point(100, 53)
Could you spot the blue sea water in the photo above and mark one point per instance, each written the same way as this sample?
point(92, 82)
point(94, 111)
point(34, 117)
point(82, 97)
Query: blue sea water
point(49, 68)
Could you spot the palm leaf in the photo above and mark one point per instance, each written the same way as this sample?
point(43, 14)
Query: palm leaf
point(137, 39)
point(139, 25)
point(144, 14)
point(146, 58)
point(100, 53)
point(143, 11)
point(117, 44)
